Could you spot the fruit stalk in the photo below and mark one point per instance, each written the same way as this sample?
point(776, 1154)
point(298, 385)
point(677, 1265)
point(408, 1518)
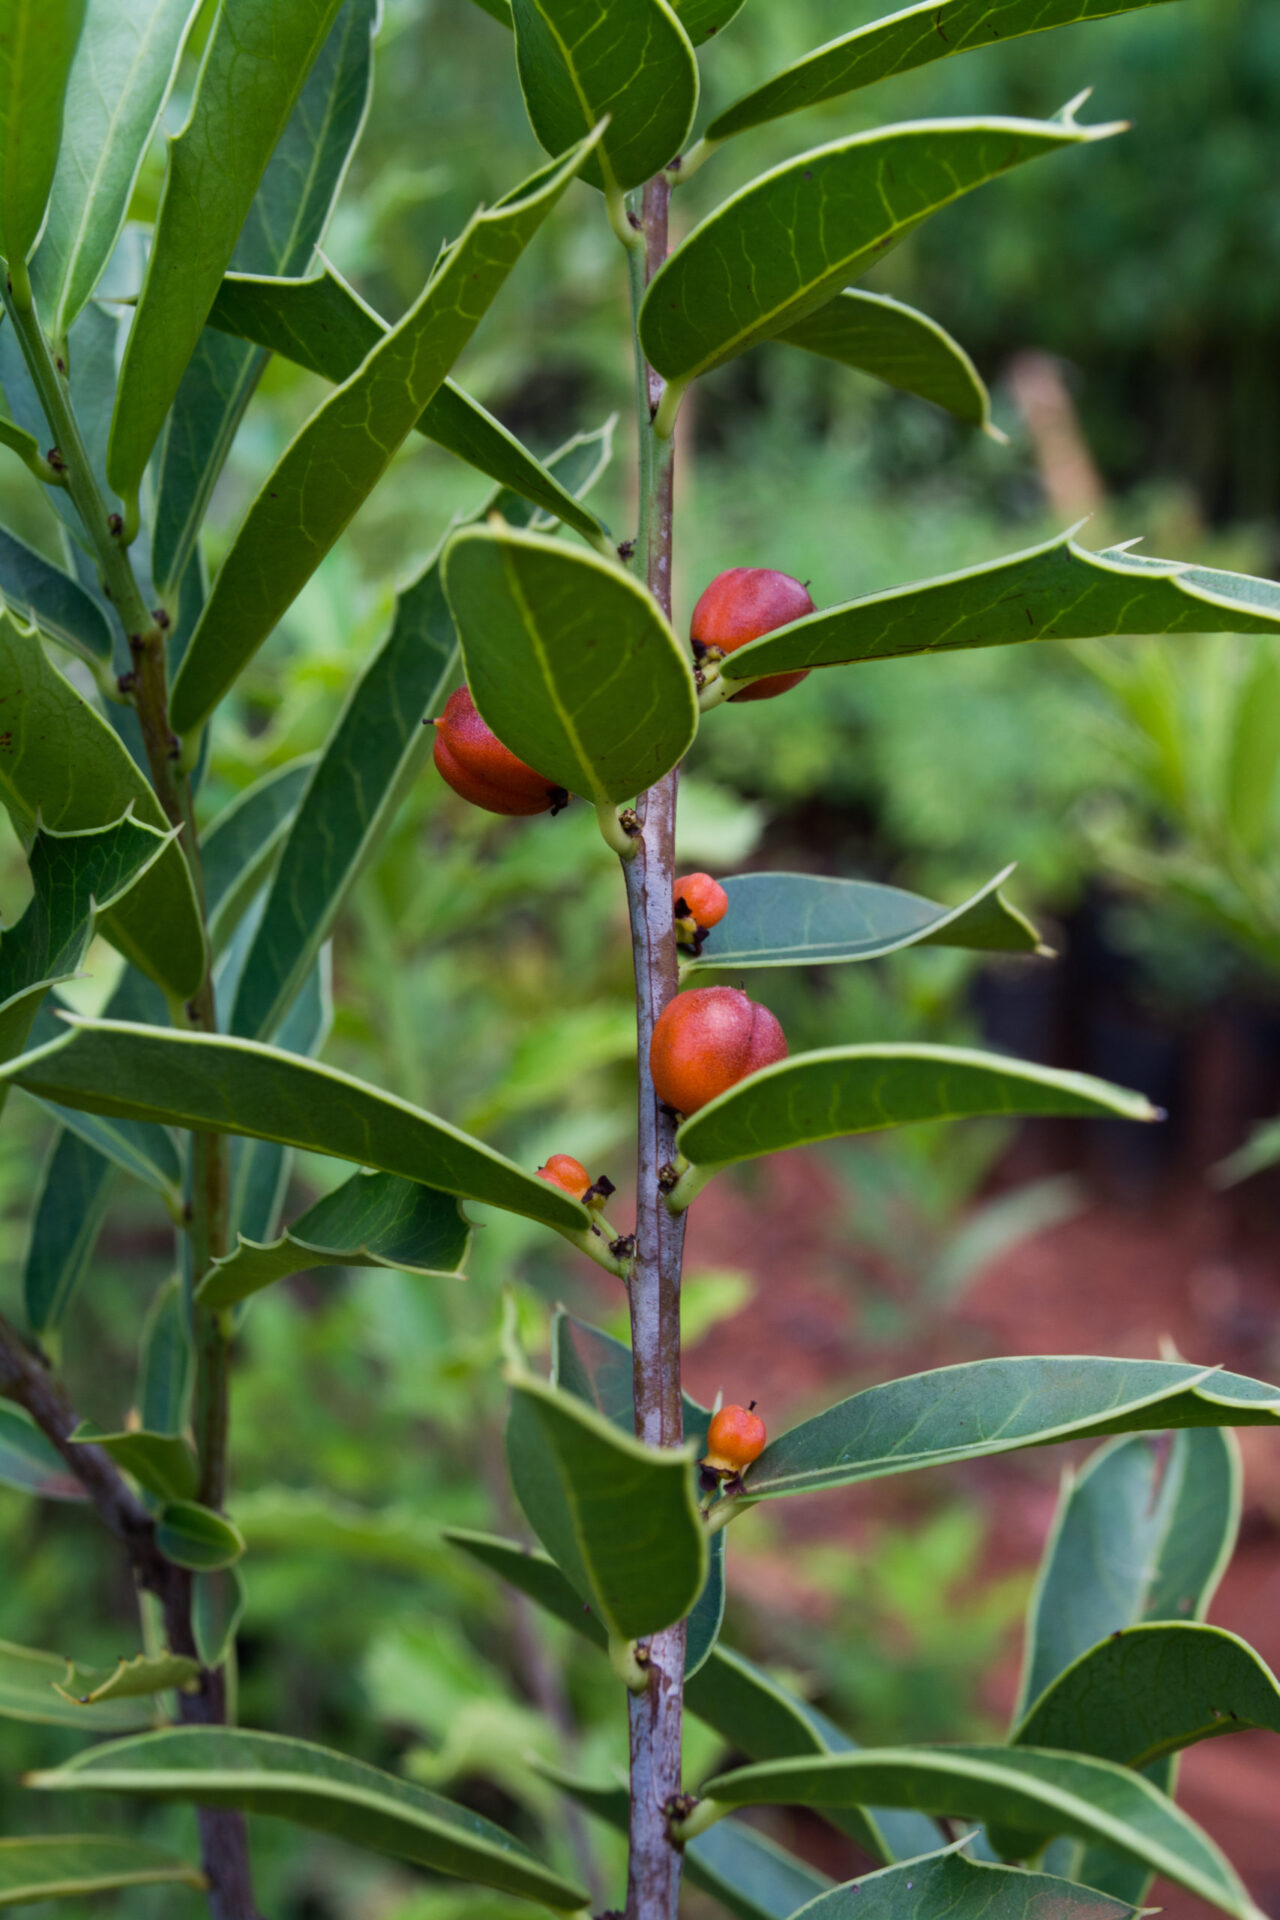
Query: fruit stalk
point(653, 1873)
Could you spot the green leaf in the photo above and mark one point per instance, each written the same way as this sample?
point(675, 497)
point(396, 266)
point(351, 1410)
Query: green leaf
point(29, 1463)
point(42, 595)
point(310, 1523)
point(70, 1865)
point(240, 847)
point(145, 1674)
point(75, 1192)
point(789, 241)
point(74, 876)
point(286, 223)
point(702, 18)
point(164, 1463)
point(802, 920)
point(260, 1169)
point(318, 1789)
point(631, 60)
point(841, 1090)
point(353, 438)
point(373, 1220)
point(949, 1883)
point(195, 1080)
point(986, 1407)
point(1026, 1790)
point(1058, 591)
point(194, 1536)
point(28, 1691)
point(120, 79)
point(218, 1601)
point(737, 1866)
point(37, 46)
point(619, 1517)
point(164, 1363)
point(322, 324)
point(570, 661)
point(1253, 758)
point(1144, 1532)
point(1148, 1691)
point(929, 31)
point(257, 57)
point(61, 765)
point(905, 349)
point(377, 744)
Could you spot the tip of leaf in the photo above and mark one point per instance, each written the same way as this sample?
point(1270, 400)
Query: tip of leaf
point(1043, 951)
point(998, 434)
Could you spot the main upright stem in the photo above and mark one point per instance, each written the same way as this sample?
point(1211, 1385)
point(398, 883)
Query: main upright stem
point(653, 1877)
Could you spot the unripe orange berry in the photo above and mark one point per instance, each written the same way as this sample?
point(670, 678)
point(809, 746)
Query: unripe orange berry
point(705, 900)
point(735, 1438)
point(742, 604)
point(562, 1170)
point(473, 761)
point(704, 1042)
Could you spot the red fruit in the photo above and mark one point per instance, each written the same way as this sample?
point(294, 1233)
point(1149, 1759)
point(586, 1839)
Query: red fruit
point(742, 604)
point(473, 761)
point(705, 900)
point(704, 1042)
point(735, 1438)
point(562, 1170)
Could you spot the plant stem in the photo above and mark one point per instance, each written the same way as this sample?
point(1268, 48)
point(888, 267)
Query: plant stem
point(653, 1875)
point(224, 1843)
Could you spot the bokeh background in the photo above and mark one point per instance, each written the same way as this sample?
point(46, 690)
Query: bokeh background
point(1124, 303)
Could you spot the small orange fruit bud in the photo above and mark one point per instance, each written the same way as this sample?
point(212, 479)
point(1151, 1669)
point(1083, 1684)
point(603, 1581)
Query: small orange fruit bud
point(473, 761)
point(700, 903)
point(735, 1438)
point(562, 1170)
point(704, 1042)
point(742, 604)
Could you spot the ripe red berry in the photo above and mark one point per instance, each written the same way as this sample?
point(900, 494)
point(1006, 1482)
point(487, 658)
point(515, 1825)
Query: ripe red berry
point(473, 761)
point(742, 604)
point(735, 1438)
point(701, 903)
point(704, 1042)
point(562, 1170)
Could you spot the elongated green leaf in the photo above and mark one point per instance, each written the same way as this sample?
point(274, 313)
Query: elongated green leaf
point(621, 1518)
point(163, 1463)
point(28, 1691)
point(927, 31)
point(631, 60)
point(1143, 1533)
point(75, 1192)
point(60, 763)
point(802, 920)
point(702, 18)
point(570, 661)
point(218, 1602)
point(894, 343)
point(37, 46)
point(286, 223)
point(1253, 758)
point(1058, 591)
point(377, 743)
point(262, 1773)
point(792, 239)
point(147, 1152)
point(120, 79)
point(996, 1406)
point(70, 1866)
point(145, 1674)
point(737, 1866)
point(374, 1220)
point(256, 60)
point(260, 1169)
point(73, 875)
point(840, 1090)
point(352, 439)
point(29, 1463)
point(42, 595)
point(236, 1086)
point(164, 1363)
point(1148, 1691)
point(239, 848)
point(196, 1537)
point(950, 1883)
point(1025, 1789)
point(322, 324)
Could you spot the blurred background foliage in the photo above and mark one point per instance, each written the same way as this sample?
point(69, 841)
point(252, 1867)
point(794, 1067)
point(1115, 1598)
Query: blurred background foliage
point(483, 970)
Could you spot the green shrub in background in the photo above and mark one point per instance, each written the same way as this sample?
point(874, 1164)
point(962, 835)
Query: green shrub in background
point(127, 371)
